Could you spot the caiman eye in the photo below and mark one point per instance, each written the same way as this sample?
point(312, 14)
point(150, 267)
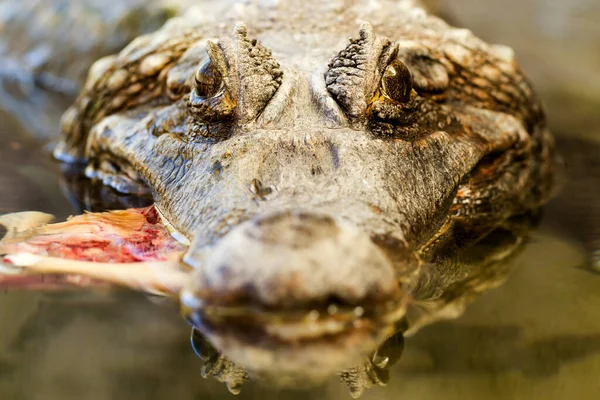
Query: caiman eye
point(208, 80)
point(233, 86)
point(397, 81)
point(210, 101)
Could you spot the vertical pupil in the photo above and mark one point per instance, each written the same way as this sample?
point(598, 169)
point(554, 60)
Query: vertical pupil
point(208, 80)
point(397, 81)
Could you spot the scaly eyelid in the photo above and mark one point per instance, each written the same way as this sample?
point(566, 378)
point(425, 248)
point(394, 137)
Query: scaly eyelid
point(354, 74)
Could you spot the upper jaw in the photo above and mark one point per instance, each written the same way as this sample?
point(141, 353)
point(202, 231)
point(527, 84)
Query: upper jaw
point(290, 257)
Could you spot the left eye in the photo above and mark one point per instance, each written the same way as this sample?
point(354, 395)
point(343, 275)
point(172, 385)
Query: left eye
point(208, 80)
point(397, 81)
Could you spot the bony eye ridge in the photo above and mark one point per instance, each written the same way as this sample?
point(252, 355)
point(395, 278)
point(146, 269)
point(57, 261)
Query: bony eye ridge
point(397, 81)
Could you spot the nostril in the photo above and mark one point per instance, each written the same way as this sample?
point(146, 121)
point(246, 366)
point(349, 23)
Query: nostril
point(259, 190)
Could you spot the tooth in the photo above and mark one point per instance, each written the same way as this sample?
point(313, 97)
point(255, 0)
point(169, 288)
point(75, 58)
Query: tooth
point(174, 233)
point(301, 329)
point(313, 315)
point(359, 311)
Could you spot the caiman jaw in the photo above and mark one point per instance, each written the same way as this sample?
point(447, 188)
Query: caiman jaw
point(294, 277)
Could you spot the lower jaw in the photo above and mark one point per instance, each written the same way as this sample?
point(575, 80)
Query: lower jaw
point(301, 363)
point(296, 352)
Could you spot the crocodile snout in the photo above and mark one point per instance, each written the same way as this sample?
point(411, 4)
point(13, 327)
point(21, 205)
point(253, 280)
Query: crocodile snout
point(292, 277)
point(294, 260)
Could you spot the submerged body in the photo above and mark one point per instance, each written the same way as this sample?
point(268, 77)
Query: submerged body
point(315, 178)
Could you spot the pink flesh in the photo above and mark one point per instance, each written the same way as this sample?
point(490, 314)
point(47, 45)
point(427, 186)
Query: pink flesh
point(123, 236)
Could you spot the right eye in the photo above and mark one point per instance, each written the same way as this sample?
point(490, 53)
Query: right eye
point(208, 80)
point(209, 101)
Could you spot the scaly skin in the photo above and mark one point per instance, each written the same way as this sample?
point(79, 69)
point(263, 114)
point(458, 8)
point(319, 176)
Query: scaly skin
point(309, 171)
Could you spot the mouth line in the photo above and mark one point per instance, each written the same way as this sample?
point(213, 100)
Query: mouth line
point(304, 323)
point(118, 173)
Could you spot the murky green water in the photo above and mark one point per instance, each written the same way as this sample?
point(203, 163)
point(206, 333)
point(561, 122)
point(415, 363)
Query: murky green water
point(536, 337)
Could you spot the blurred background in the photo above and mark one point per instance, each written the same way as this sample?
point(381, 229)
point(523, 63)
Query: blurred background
point(536, 337)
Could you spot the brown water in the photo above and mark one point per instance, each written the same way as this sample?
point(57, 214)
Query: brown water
point(536, 337)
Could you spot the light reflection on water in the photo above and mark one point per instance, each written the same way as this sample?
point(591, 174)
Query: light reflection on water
point(536, 337)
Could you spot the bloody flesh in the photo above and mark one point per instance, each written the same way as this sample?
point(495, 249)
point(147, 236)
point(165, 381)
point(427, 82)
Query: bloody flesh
point(124, 236)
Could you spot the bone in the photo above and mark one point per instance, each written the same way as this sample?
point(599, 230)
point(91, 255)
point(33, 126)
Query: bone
point(164, 278)
point(16, 223)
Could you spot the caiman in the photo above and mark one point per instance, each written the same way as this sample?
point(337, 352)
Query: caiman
point(320, 183)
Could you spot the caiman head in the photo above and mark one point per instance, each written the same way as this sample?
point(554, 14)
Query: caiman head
point(313, 176)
